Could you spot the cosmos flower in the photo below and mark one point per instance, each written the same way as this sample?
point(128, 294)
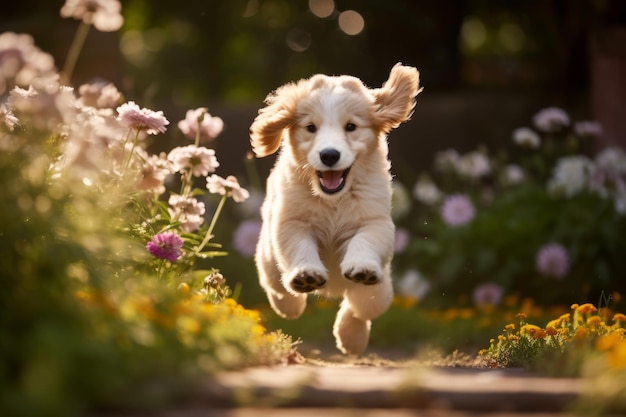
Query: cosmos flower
point(457, 210)
point(552, 260)
point(134, 117)
point(227, 186)
point(23, 64)
point(100, 95)
point(166, 245)
point(105, 15)
point(210, 127)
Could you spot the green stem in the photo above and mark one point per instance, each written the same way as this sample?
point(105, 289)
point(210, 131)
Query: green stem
point(132, 149)
point(74, 52)
point(209, 232)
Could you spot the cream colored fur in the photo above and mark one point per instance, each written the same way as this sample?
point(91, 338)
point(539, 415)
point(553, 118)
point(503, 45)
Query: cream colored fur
point(331, 237)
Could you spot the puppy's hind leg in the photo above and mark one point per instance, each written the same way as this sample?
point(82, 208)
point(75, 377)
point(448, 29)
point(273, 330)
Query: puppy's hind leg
point(351, 333)
point(285, 304)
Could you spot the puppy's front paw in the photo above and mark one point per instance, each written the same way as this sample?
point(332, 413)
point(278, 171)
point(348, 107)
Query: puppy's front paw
point(366, 275)
point(307, 281)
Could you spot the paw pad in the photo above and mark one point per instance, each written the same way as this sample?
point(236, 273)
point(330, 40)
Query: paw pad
point(365, 277)
point(307, 282)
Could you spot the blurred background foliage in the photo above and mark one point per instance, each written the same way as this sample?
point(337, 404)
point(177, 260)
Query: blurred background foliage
point(487, 66)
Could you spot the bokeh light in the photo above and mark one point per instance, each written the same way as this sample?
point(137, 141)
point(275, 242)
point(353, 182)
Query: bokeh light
point(351, 22)
point(322, 8)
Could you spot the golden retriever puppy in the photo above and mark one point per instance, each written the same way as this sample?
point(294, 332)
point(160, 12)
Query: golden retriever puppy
point(327, 227)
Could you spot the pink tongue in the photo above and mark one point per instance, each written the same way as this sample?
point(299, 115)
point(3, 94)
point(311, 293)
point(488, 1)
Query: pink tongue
point(331, 179)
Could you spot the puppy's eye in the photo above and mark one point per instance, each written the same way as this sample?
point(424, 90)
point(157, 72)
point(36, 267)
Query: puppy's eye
point(311, 128)
point(350, 127)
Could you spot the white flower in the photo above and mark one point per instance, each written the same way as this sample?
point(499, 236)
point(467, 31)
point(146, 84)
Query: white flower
point(526, 137)
point(200, 160)
point(551, 119)
point(612, 159)
point(570, 176)
point(447, 160)
point(105, 15)
point(24, 64)
point(427, 192)
point(100, 95)
point(227, 186)
point(400, 201)
point(474, 165)
point(513, 174)
point(413, 284)
point(7, 118)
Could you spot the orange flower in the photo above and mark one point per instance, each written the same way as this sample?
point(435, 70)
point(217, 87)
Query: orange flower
point(586, 308)
point(509, 327)
point(619, 318)
point(551, 330)
point(521, 316)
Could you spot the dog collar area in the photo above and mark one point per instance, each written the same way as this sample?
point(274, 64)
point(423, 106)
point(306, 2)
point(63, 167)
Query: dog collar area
point(332, 182)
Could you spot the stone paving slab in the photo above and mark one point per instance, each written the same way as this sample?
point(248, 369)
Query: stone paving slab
point(370, 387)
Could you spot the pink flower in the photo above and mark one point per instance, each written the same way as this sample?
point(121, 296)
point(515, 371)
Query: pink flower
point(188, 211)
point(457, 210)
point(153, 122)
point(227, 186)
point(487, 294)
point(166, 245)
point(551, 119)
point(402, 240)
point(210, 127)
point(246, 237)
point(105, 15)
point(200, 160)
point(588, 128)
point(552, 260)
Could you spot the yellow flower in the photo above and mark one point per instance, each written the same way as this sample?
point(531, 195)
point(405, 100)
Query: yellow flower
point(619, 318)
point(594, 321)
point(539, 334)
point(574, 306)
point(183, 288)
point(501, 338)
point(509, 327)
point(608, 341)
point(617, 356)
point(581, 333)
point(565, 318)
point(529, 328)
point(551, 330)
point(521, 316)
point(514, 338)
point(482, 352)
point(586, 308)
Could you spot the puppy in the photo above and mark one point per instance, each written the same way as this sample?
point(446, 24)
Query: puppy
point(327, 227)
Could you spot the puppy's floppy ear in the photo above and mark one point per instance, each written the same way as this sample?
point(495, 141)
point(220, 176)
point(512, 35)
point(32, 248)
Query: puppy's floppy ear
point(267, 129)
point(395, 100)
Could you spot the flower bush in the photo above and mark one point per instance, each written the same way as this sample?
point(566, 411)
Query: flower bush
point(586, 342)
point(542, 218)
point(107, 281)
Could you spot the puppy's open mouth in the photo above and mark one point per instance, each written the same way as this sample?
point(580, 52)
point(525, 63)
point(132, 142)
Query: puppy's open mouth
point(332, 182)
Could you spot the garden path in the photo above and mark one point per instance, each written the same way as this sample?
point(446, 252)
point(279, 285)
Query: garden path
point(378, 387)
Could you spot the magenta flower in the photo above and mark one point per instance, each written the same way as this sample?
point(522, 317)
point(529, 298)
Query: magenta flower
point(166, 245)
point(457, 210)
point(487, 294)
point(552, 260)
point(246, 237)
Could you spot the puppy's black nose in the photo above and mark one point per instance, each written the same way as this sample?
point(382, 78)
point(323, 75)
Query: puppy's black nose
point(329, 156)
